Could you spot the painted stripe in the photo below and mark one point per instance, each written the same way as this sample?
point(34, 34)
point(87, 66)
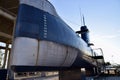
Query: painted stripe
point(24, 51)
point(53, 54)
point(30, 52)
point(71, 55)
point(44, 5)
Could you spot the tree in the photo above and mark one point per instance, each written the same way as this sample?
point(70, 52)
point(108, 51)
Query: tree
point(107, 63)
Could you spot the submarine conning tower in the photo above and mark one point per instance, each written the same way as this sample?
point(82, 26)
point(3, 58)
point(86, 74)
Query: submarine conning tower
point(85, 34)
point(84, 31)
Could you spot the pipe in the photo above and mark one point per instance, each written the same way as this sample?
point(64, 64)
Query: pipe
point(7, 15)
point(5, 35)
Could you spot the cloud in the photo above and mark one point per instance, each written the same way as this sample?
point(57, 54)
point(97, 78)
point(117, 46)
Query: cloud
point(111, 36)
point(119, 31)
point(115, 35)
point(103, 37)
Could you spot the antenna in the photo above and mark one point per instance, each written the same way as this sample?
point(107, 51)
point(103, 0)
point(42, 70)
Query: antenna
point(81, 16)
point(83, 20)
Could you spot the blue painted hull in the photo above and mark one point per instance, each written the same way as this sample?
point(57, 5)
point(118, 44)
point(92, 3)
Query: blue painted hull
point(30, 23)
point(40, 25)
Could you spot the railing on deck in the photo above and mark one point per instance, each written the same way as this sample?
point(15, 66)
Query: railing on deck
point(98, 55)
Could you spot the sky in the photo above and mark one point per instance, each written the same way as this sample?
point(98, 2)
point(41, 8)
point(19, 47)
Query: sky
point(102, 17)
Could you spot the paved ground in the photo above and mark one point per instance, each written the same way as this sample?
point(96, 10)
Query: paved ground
point(45, 78)
point(104, 78)
point(88, 78)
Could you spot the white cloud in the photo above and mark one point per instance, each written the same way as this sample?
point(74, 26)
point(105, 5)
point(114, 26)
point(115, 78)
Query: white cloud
point(111, 36)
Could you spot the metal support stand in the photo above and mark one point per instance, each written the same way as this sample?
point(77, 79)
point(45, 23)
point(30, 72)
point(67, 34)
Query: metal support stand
point(90, 72)
point(5, 57)
point(72, 75)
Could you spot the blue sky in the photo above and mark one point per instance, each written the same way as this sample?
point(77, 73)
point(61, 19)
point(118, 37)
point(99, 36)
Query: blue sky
point(102, 17)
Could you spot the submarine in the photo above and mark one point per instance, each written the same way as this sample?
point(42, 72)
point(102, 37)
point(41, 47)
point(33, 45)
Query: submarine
point(43, 41)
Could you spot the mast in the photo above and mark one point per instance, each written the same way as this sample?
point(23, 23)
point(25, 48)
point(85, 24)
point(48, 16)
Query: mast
point(83, 20)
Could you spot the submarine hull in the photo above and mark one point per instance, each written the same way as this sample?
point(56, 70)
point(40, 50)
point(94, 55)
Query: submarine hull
point(43, 41)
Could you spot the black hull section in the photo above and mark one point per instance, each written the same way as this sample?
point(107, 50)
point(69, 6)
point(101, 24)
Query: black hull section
point(44, 68)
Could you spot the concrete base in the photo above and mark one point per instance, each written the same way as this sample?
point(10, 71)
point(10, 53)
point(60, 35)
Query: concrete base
point(72, 75)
